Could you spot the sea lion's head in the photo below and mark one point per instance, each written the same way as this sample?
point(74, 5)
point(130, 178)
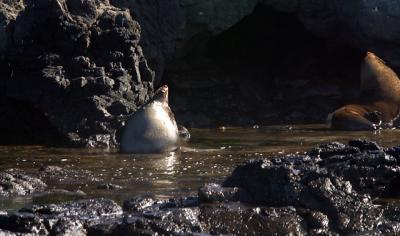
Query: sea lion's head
point(370, 57)
point(161, 94)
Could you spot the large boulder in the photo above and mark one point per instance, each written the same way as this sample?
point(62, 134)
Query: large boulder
point(77, 62)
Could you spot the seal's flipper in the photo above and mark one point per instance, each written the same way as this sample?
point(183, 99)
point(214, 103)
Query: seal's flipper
point(351, 117)
point(184, 133)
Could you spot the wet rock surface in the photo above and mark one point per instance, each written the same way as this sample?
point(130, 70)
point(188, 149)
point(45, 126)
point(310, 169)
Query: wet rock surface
point(336, 180)
point(61, 219)
point(14, 182)
point(333, 189)
point(70, 176)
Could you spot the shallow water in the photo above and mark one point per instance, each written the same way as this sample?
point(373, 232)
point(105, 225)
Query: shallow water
point(209, 157)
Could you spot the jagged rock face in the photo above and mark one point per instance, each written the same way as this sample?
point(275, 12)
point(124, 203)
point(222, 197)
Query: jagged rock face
point(162, 23)
point(8, 12)
point(78, 62)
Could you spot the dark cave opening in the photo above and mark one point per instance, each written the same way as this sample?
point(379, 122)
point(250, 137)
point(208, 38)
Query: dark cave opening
point(267, 69)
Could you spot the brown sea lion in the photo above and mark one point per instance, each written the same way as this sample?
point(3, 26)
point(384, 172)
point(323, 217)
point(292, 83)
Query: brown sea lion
point(152, 129)
point(380, 99)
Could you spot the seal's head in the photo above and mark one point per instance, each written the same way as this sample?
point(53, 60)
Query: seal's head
point(161, 94)
point(372, 56)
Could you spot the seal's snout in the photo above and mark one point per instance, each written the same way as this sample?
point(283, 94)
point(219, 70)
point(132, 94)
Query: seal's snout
point(161, 94)
point(370, 57)
point(164, 88)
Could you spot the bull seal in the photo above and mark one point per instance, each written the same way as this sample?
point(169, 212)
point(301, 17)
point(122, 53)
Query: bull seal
point(152, 129)
point(379, 105)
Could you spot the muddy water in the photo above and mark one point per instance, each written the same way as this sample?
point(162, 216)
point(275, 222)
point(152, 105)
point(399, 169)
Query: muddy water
point(209, 157)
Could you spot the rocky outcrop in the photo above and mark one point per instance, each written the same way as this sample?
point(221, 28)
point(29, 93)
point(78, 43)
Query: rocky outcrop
point(335, 182)
point(77, 62)
point(334, 189)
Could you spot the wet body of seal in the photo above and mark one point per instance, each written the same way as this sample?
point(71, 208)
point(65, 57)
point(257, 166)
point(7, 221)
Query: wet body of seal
point(380, 99)
point(152, 128)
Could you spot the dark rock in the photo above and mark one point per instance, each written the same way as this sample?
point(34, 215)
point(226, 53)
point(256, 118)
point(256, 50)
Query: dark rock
point(273, 182)
point(334, 148)
point(254, 221)
point(179, 222)
point(215, 193)
point(23, 223)
point(339, 187)
point(365, 145)
point(69, 218)
point(92, 208)
point(68, 227)
point(394, 151)
point(14, 183)
point(9, 233)
point(149, 217)
point(317, 220)
point(74, 61)
point(392, 190)
point(138, 204)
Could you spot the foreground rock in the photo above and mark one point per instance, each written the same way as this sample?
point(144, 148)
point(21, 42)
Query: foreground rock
point(61, 219)
point(328, 191)
point(334, 183)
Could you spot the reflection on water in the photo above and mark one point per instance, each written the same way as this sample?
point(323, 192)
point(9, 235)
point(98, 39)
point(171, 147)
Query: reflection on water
point(209, 157)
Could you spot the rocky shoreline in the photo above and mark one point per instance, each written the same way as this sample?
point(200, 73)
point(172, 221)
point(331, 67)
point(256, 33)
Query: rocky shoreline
point(333, 189)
